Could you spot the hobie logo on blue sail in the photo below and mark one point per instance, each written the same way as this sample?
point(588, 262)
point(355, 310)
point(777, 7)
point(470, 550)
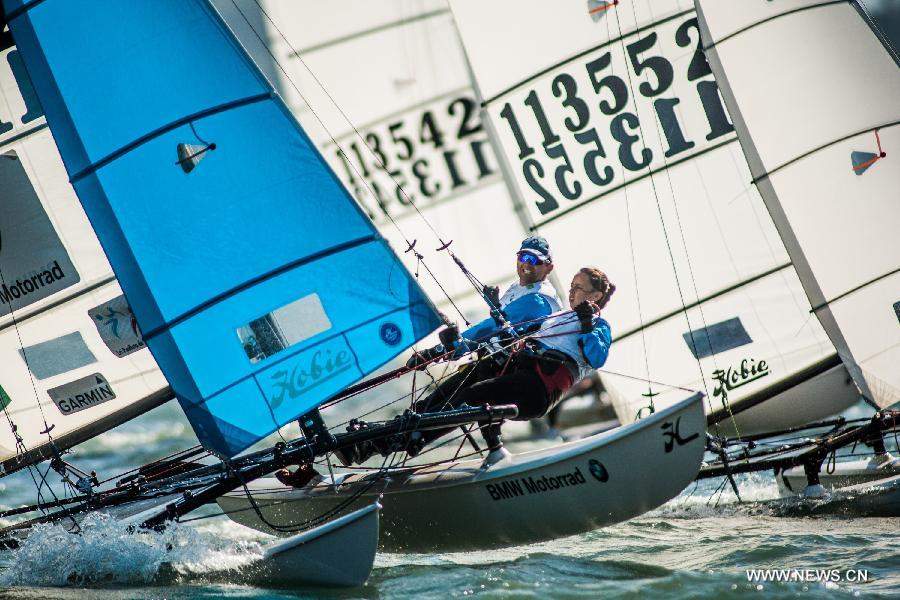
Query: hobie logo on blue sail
point(391, 334)
point(308, 371)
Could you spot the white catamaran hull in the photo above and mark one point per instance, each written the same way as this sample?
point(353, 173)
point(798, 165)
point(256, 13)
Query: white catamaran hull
point(841, 476)
point(560, 491)
point(339, 553)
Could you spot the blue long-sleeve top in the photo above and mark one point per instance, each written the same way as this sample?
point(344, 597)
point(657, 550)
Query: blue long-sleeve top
point(524, 314)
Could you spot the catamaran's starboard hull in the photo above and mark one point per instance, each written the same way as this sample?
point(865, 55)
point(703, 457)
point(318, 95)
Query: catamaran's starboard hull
point(536, 496)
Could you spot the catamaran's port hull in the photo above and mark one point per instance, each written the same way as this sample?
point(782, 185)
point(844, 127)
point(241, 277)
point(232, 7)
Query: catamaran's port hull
point(536, 496)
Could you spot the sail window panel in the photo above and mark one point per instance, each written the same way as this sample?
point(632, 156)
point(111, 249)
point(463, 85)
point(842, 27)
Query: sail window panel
point(132, 378)
point(509, 41)
point(34, 264)
point(140, 68)
point(56, 356)
point(717, 338)
point(784, 341)
point(825, 91)
point(260, 202)
point(205, 356)
point(283, 327)
point(846, 225)
point(41, 161)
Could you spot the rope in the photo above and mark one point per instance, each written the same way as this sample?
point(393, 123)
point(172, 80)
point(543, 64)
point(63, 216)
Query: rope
point(666, 232)
point(380, 164)
point(634, 273)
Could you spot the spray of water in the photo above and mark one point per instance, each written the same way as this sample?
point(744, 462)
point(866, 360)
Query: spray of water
point(105, 553)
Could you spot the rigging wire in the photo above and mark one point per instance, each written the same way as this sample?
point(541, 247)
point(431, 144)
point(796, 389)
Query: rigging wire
point(443, 245)
point(21, 448)
point(659, 211)
point(637, 291)
point(683, 239)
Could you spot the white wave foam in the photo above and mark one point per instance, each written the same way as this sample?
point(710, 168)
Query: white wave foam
point(104, 553)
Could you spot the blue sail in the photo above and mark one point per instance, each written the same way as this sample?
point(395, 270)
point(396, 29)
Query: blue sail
point(260, 286)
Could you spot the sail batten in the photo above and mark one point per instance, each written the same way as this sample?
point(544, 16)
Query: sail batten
point(102, 162)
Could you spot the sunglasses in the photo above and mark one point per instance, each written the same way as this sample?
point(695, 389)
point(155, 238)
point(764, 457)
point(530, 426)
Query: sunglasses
point(529, 259)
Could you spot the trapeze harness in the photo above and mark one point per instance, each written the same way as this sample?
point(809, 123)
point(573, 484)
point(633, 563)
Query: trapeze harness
point(557, 370)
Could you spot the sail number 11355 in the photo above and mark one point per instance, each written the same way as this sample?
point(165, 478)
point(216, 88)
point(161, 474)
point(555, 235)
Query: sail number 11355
point(627, 82)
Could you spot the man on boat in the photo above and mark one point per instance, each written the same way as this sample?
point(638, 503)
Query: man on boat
point(533, 376)
point(523, 305)
point(534, 263)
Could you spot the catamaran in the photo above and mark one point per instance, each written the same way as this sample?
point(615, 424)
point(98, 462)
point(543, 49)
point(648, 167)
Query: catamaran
point(232, 254)
point(662, 159)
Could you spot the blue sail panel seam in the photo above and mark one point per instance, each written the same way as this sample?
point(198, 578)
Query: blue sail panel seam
point(166, 129)
point(257, 280)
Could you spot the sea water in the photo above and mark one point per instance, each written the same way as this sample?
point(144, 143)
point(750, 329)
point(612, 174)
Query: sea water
point(701, 544)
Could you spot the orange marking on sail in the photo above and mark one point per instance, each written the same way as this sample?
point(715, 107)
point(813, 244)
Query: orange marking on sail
point(604, 7)
point(866, 164)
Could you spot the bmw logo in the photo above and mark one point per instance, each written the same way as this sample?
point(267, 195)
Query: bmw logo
point(391, 334)
point(598, 470)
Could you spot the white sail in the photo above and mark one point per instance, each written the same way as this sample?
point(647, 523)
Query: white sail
point(70, 359)
point(393, 77)
point(627, 158)
point(821, 132)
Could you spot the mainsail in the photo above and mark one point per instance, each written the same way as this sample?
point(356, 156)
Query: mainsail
point(612, 120)
point(821, 139)
point(72, 360)
point(259, 285)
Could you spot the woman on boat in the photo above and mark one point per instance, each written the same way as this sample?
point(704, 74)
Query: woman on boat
point(568, 345)
point(543, 365)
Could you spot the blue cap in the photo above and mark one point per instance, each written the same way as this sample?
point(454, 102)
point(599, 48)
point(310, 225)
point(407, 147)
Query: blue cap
point(537, 246)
